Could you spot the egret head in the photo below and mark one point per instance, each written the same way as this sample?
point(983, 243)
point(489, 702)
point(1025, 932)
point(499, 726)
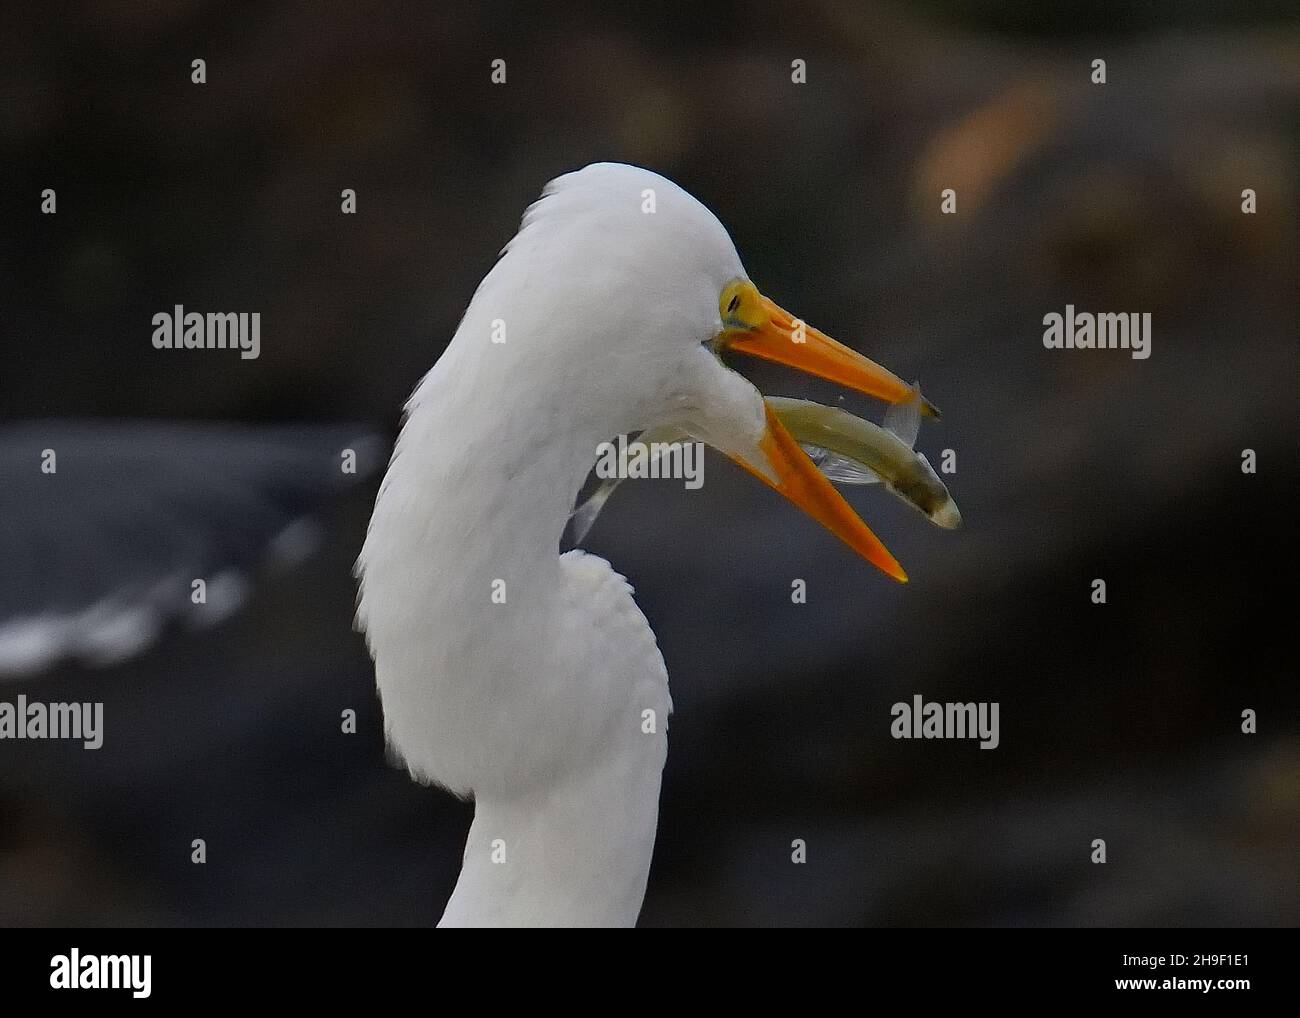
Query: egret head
point(643, 286)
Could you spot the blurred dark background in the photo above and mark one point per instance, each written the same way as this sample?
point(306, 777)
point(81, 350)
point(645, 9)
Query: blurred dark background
point(1119, 722)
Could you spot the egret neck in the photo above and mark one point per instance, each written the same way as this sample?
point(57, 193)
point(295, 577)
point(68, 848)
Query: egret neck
point(524, 677)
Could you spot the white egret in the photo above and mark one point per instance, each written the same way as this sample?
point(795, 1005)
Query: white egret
point(508, 672)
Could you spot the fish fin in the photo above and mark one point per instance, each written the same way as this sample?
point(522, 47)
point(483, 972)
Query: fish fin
point(904, 419)
point(584, 514)
point(840, 468)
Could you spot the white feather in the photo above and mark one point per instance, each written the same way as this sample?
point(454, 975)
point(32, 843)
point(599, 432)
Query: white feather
point(536, 707)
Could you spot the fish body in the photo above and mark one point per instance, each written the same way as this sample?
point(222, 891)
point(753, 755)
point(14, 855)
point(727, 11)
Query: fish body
point(851, 450)
point(846, 448)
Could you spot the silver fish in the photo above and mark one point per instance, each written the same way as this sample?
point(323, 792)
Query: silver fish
point(847, 449)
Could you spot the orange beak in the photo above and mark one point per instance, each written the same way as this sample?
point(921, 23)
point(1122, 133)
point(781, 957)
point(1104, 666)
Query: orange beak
point(799, 480)
point(784, 339)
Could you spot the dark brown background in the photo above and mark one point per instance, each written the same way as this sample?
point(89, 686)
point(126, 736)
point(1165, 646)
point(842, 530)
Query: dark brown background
point(1119, 722)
